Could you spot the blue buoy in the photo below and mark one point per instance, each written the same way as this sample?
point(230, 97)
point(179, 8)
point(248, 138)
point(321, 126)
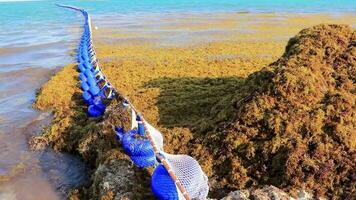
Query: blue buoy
point(80, 60)
point(82, 77)
point(134, 146)
point(87, 65)
point(91, 81)
point(84, 39)
point(141, 127)
point(79, 56)
point(162, 185)
point(99, 104)
point(143, 161)
point(85, 56)
point(85, 47)
point(119, 133)
point(94, 90)
point(97, 107)
point(88, 73)
point(82, 44)
point(87, 97)
point(84, 86)
point(81, 68)
point(93, 111)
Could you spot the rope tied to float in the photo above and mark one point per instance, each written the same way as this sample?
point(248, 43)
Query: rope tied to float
point(175, 176)
point(158, 151)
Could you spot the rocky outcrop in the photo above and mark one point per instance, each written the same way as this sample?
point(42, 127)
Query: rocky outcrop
point(267, 193)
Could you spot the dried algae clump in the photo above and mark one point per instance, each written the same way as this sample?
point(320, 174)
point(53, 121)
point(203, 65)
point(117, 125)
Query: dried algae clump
point(296, 129)
point(57, 93)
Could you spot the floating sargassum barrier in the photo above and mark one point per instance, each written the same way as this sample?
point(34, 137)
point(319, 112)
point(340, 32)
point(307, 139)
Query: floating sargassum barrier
point(175, 177)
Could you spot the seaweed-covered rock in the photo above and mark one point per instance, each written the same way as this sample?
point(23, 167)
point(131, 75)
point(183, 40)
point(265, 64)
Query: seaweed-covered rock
point(296, 129)
point(268, 192)
point(118, 178)
point(265, 193)
point(37, 143)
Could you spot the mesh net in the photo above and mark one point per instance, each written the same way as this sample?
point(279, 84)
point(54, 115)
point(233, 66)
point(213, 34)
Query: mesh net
point(190, 174)
point(186, 168)
point(156, 135)
point(134, 123)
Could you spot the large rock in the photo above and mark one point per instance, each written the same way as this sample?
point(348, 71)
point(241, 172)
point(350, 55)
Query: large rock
point(267, 193)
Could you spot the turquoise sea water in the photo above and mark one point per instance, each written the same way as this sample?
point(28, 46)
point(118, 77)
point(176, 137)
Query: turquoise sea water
point(34, 23)
point(41, 22)
point(15, 14)
point(36, 38)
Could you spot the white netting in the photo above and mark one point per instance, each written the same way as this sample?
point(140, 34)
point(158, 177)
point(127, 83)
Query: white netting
point(190, 174)
point(134, 123)
point(156, 135)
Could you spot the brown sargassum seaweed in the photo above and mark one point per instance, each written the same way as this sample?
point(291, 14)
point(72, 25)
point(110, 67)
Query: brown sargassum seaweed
point(291, 124)
point(296, 129)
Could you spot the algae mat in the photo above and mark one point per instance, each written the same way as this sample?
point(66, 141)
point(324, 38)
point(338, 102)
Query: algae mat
point(189, 91)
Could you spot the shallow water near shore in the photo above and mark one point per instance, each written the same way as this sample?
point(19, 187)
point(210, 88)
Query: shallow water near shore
point(38, 38)
point(30, 53)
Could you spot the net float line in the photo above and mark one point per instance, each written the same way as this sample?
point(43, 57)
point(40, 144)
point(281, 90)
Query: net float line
point(148, 135)
point(94, 59)
point(159, 156)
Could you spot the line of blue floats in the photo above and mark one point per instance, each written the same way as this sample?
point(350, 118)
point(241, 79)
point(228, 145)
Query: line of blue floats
point(93, 83)
point(96, 88)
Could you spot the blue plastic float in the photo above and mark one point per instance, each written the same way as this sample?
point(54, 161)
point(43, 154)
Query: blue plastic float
point(97, 107)
point(82, 77)
point(87, 97)
point(139, 149)
point(93, 111)
point(94, 90)
point(81, 68)
point(162, 185)
point(84, 86)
